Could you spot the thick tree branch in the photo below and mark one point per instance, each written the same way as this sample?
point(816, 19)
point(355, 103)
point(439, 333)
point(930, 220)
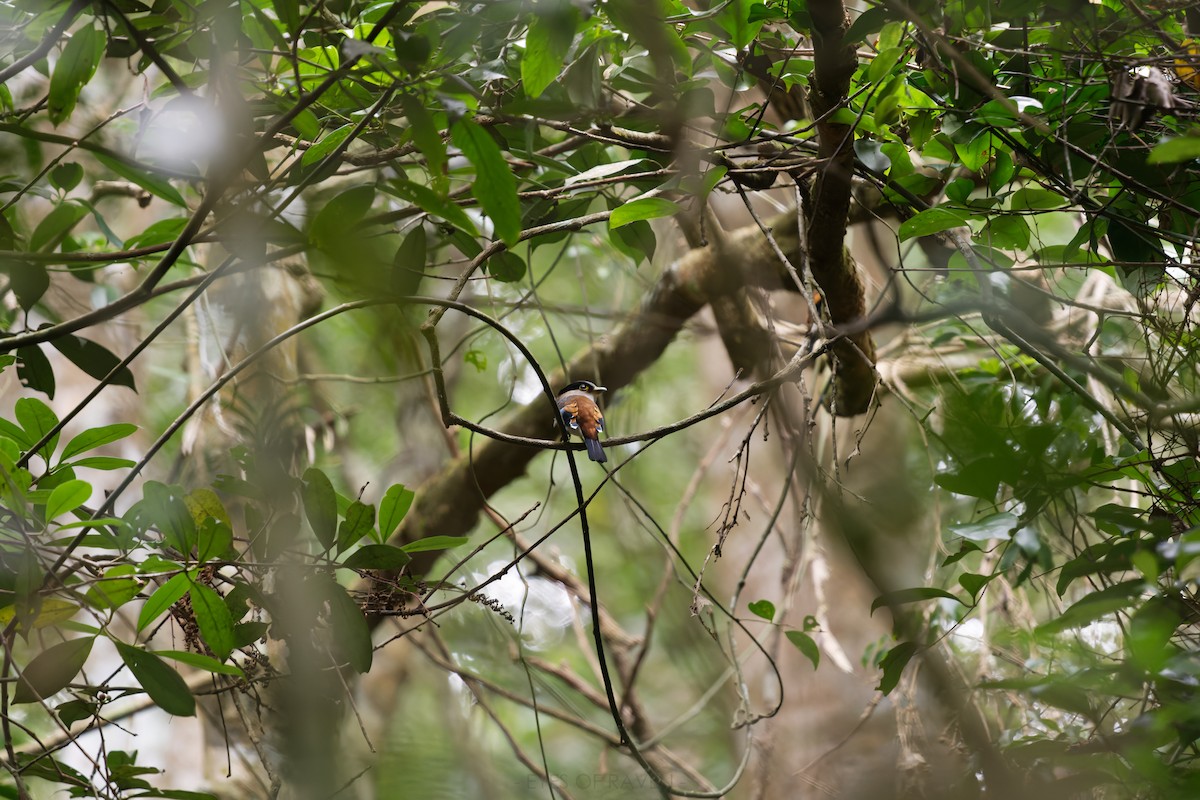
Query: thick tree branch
point(828, 259)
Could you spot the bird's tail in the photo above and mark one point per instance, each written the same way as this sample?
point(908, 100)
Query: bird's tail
point(595, 451)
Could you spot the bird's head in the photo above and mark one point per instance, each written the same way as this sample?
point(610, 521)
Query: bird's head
point(582, 386)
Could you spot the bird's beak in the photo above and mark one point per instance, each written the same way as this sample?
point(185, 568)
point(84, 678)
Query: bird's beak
point(600, 389)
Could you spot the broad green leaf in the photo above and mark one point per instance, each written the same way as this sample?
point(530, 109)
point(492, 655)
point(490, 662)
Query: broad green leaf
point(200, 661)
point(546, 46)
point(1172, 151)
point(973, 583)
point(214, 619)
point(428, 140)
point(56, 225)
point(994, 526)
point(408, 265)
point(115, 588)
point(320, 506)
point(27, 281)
point(163, 598)
point(494, 186)
point(94, 359)
point(75, 67)
point(358, 524)
point(893, 665)
point(393, 507)
point(168, 513)
point(203, 503)
point(161, 682)
point(428, 201)
point(143, 177)
point(52, 669)
point(763, 608)
point(1093, 607)
point(66, 497)
point(36, 418)
point(1032, 198)
point(932, 220)
point(642, 209)
point(506, 267)
point(96, 437)
point(377, 556)
point(435, 543)
point(328, 143)
point(213, 539)
point(350, 629)
point(66, 176)
point(102, 462)
point(51, 612)
point(806, 645)
point(334, 222)
point(161, 232)
point(34, 370)
point(913, 595)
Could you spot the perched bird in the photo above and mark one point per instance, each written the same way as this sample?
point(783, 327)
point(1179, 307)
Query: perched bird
point(577, 404)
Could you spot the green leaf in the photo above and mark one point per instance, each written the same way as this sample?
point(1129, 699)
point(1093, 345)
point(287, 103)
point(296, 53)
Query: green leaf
point(94, 359)
point(806, 645)
point(1032, 198)
point(161, 682)
point(204, 503)
point(358, 524)
point(427, 200)
point(763, 608)
point(75, 67)
point(56, 225)
point(115, 588)
point(377, 556)
point(506, 267)
point(393, 507)
point(52, 669)
point(334, 222)
point(408, 265)
point(1093, 607)
point(200, 661)
point(167, 512)
point(930, 221)
point(641, 209)
point(893, 665)
point(435, 543)
point(320, 506)
point(163, 598)
point(27, 281)
point(97, 437)
point(350, 629)
point(143, 177)
point(214, 538)
point(328, 143)
point(973, 583)
point(494, 186)
point(102, 462)
point(36, 418)
point(1172, 151)
point(34, 370)
point(66, 176)
point(428, 140)
point(546, 46)
point(214, 619)
point(913, 595)
point(994, 526)
point(67, 496)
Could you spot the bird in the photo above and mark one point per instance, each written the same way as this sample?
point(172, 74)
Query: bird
point(581, 414)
